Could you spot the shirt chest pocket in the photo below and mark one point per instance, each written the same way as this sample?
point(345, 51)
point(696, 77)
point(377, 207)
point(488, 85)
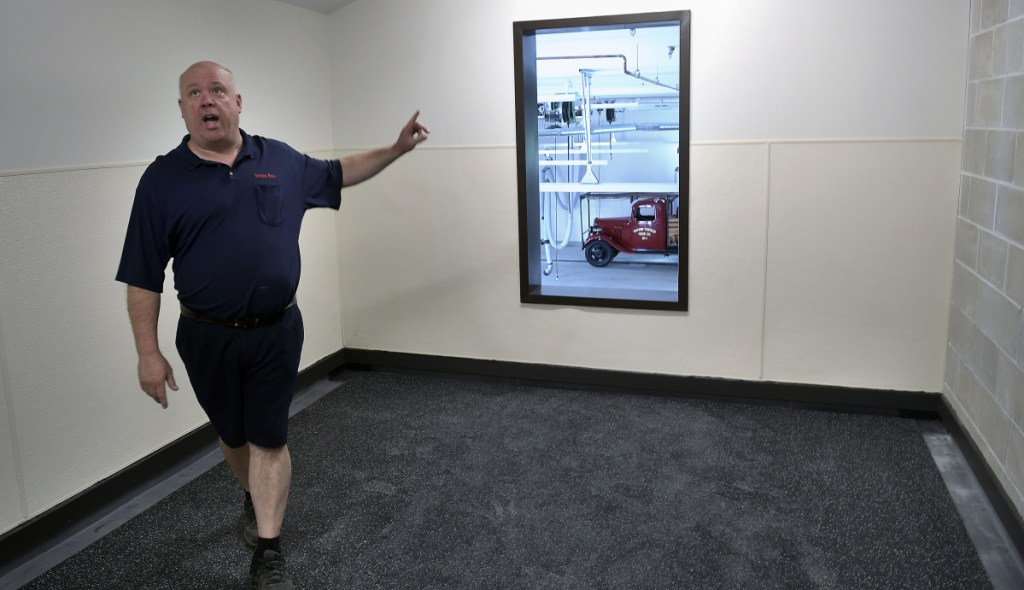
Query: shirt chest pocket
point(270, 203)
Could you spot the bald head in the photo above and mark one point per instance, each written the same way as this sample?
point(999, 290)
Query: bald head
point(206, 66)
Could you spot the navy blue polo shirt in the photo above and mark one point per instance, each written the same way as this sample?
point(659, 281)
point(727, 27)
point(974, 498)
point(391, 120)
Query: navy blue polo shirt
point(232, 231)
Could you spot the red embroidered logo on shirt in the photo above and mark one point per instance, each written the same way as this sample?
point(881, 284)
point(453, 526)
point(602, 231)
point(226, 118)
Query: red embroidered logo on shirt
point(266, 175)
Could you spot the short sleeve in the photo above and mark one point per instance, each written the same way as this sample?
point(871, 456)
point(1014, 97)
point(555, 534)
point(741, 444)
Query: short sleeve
point(321, 182)
point(146, 249)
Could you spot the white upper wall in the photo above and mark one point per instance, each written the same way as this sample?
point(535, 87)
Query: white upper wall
point(89, 82)
point(786, 69)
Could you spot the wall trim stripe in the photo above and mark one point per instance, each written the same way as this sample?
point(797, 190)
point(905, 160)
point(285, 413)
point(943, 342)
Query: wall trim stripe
point(329, 152)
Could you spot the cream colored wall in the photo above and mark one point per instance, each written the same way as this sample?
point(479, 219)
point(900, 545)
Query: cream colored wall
point(859, 247)
point(838, 277)
point(823, 194)
point(81, 115)
point(69, 358)
point(11, 509)
point(442, 277)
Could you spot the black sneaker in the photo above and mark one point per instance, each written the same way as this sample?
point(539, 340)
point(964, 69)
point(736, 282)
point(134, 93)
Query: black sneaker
point(251, 533)
point(268, 572)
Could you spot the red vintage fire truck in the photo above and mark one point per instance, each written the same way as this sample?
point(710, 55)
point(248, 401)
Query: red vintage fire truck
point(652, 227)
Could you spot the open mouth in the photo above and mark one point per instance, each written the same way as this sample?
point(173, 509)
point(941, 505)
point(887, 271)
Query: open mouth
point(210, 121)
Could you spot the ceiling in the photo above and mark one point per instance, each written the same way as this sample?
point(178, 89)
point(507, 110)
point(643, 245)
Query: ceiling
point(322, 6)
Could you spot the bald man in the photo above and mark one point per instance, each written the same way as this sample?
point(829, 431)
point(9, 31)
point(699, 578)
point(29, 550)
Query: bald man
point(227, 207)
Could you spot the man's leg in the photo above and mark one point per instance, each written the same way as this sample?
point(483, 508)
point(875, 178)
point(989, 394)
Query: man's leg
point(270, 477)
point(238, 460)
point(269, 385)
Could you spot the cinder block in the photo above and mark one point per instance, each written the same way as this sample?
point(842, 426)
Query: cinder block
point(987, 308)
point(995, 425)
point(982, 206)
point(974, 151)
point(1020, 343)
point(952, 362)
point(960, 329)
point(983, 358)
point(1015, 45)
point(1015, 458)
point(980, 66)
point(959, 292)
point(994, 12)
point(1018, 163)
point(1007, 46)
point(971, 105)
point(999, 50)
point(990, 103)
point(1009, 389)
point(965, 195)
point(992, 255)
point(1009, 213)
point(967, 388)
point(1000, 151)
point(1016, 8)
point(999, 319)
point(1015, 274)
point(966, 243)
point(1013, 103)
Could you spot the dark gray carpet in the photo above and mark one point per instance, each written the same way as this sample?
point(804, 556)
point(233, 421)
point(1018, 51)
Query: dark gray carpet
point(431, 482)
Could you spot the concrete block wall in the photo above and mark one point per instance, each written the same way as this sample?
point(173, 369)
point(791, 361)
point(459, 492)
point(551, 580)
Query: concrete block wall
point(985, 357)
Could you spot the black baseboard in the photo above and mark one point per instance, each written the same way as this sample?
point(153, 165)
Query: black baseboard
point(827, 397)
point(61, 521)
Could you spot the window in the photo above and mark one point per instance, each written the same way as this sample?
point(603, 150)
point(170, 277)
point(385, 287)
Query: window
point(603, 160)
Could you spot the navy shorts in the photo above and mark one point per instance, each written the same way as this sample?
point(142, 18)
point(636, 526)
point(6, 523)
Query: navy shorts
point(244, 378)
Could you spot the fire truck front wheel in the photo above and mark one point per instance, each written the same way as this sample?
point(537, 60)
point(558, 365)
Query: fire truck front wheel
point(599, 253)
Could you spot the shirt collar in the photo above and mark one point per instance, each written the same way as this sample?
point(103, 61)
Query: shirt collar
point(248, 150)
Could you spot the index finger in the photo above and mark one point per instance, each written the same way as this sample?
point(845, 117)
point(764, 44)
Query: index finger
point(416, 124)
point(158, 392)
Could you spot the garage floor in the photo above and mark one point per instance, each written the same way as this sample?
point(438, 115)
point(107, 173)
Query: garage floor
point(629, 276)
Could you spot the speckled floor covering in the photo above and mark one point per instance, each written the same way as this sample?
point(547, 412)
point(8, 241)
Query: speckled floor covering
point(432, 482)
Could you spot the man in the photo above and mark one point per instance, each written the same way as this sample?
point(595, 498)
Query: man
point(227, 207)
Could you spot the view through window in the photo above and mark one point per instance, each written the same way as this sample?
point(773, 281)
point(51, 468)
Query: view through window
point(604, 159)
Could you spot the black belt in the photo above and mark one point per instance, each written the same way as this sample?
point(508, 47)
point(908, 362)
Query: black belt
point(241, 323)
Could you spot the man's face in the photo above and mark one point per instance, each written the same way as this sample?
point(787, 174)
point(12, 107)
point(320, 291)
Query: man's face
point(210, 106)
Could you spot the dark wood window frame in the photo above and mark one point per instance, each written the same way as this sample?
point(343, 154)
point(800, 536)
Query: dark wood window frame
point(527, 143)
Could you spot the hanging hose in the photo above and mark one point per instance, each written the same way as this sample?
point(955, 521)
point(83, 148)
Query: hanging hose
point(548, 231)
point(545, 239)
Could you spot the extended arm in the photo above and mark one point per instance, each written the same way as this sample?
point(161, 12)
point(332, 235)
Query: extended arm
point(154, 370)
point(359, 167)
